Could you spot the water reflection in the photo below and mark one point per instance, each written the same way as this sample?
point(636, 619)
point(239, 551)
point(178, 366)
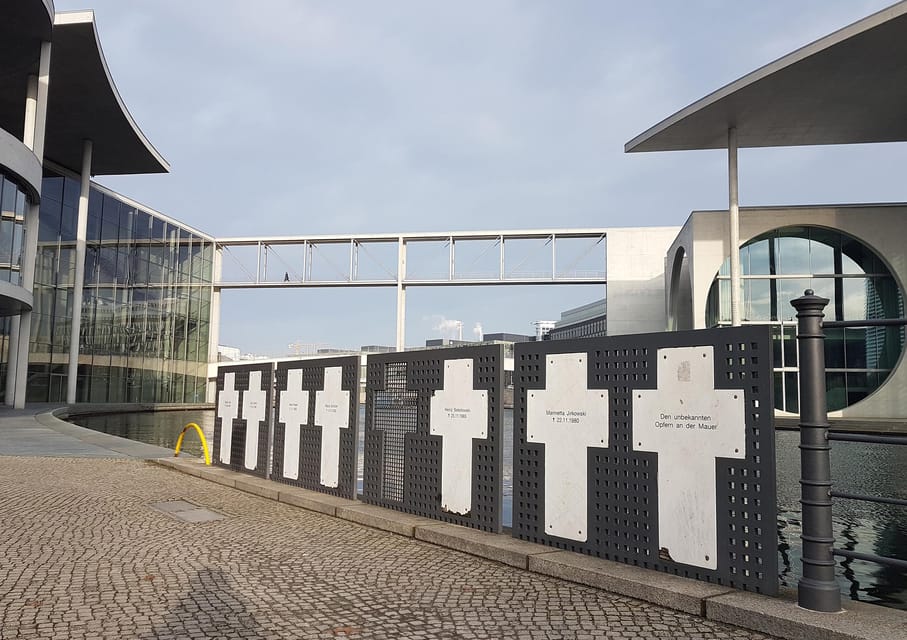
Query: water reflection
point(161, 428)
point(869, 469)
point(857, 468)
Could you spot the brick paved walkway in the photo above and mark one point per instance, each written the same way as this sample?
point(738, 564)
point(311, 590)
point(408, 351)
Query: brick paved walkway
point(85, 556)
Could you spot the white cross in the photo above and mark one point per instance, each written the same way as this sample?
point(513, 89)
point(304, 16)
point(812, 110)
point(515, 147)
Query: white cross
point(332, 413)
point(227, 406)
point(568, 418)
point(294, 412)
point(254, 410)
point(458, 413)
point(688, 423)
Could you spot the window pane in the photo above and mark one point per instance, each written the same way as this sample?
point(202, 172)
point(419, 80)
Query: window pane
point(835, 391)
point(790, 392)
point(790, 347)
point(794, 255)
point(789, 289)
point(49, 221)
point(854, 298)
point(835, 349)
point(821, 251)
point(8, 198)
point(757, 300)
point(758, 263)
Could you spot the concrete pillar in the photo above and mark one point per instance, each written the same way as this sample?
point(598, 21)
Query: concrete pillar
point(734, 213)
point(81, 233)
point(401, 294)
point(214, 326)
point(33, 138)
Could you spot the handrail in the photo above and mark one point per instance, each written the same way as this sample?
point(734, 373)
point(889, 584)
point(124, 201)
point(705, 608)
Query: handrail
point(859, 324)
point(201, 435)
point(870, 438)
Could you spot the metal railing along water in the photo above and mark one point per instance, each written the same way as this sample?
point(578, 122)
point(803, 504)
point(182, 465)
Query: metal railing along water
point(818, 589)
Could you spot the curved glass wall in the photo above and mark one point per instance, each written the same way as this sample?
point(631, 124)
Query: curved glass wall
point(145, 305)
point(13, 205)
point(779, 266)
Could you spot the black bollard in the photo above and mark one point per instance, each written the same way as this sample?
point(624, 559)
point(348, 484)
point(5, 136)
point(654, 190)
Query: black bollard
point(817, 590)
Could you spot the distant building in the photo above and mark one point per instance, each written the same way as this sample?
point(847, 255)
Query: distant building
point(508, 337)
point(586, 321)
point(228, 354)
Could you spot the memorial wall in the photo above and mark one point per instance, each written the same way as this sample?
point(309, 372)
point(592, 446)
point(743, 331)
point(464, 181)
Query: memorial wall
point(654, 450)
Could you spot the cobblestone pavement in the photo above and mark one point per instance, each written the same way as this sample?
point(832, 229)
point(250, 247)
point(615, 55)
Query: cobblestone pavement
point(83, 555)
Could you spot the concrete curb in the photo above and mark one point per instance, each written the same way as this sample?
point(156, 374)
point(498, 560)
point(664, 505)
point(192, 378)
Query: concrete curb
point(780, 616)
point(491, 546)
point(376, 517)
point(783, 618)
point(320, 502)
point(663, 589)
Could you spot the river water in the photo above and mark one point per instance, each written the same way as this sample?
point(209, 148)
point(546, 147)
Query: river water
point(879, 470)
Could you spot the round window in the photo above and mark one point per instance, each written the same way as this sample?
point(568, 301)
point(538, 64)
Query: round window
point(779, 266)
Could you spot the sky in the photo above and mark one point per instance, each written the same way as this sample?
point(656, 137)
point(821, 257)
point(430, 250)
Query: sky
point(290, 117)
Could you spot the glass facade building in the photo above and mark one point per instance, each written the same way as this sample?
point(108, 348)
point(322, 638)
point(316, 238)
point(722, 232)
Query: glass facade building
point(779, 266)
point(146, 301)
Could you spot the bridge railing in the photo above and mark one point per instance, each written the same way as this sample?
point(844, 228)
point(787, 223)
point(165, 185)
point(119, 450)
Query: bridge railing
point(818, 589)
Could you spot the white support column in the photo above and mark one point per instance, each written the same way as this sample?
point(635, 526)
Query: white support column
point(258, 264)
point(734, 224)
point(501, 270)
point(33, 138)
point(553, 257)
point(81, 233)
point(264, 276)
point(401, 294)
point(451, 267)
point(214, 322)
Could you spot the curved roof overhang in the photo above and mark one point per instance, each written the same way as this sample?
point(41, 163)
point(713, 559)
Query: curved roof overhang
point(24, 25)
point(14, 299)
point(849, 87)
point(84, 104)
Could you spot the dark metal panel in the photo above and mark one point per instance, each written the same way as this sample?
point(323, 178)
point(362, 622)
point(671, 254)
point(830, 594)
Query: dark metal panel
point(402, 466)
point(623, 483)
point(309, 453)
point(238, 441)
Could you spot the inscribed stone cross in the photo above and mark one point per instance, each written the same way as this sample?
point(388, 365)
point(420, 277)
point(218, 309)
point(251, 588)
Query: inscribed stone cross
point(568, 418)
point(254, 411)
point(458, 413)
point(294, 412)
point(332, 413)
point(227, 406)
point(689, 424)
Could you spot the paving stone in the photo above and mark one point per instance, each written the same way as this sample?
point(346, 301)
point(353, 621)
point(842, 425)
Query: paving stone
point(86, 557)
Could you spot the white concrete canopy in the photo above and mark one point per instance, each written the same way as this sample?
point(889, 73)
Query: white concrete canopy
point(849, 87)
point(85, 104)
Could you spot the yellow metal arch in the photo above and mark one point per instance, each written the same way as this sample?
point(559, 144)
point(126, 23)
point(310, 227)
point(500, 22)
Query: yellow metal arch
point(201, 435)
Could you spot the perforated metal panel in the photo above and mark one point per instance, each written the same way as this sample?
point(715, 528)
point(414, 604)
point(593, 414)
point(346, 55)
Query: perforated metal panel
point(622, 508)
point(309, 451)
point(237, 442)
point(403, 461)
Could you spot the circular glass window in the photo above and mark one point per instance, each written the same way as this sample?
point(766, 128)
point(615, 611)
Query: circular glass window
point(779, 266)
